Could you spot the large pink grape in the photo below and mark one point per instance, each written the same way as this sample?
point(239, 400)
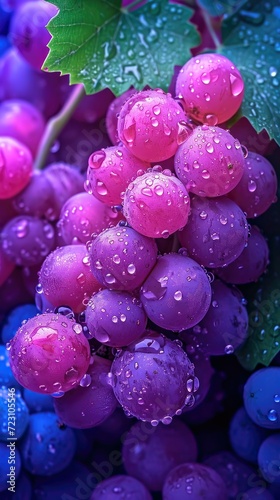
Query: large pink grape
point(153, 379)
point(216, 232)
point(149, 125)
point(66, 278)
point(210, 162)
point(212, 88)
point(49, 354)
point(121, 258)
point(110, 171)
point(156, 204)
point(92, 402)
point(257, 189)
point(15, 167)
point(177, 293)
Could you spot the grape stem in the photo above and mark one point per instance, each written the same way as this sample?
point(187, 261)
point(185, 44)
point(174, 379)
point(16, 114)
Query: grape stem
point(207, 20)
point(56, 124)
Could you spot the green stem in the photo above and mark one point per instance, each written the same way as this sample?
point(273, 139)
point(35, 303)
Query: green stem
point(56, 124)
point(207, 20)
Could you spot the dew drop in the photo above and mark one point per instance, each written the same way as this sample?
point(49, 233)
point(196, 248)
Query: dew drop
point(229, 349)
point(131, 269)
point(272, 415)
point(96, 159)
point(209, 147)
point(252, 186)
point(236, 84)
point(178, 295)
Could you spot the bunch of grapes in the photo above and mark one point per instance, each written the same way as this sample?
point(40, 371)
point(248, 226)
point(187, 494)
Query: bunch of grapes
point(119, 275)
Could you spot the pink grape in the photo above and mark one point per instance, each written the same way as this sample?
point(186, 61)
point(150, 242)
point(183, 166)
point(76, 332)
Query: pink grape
point(151, 125)
point(92, 401)
point(251, 263)
point(113, 114)
point(210, 162)
point(212, 88)
point(153, 379)
point(121, 258)
point(120, 487)
point(194, 481)
point(115, 318)
point(156, 204)
point(66, 279)
point(82, 216)
point(49, 354)
point(257, 189)
point(27, 240)
point(23, 122)
point(28, 202)
point(6, 266)
point(110, 171)
point(15, 167)
point(177, 293)
point(216, 232)
point(150, 453)
point(224, 327)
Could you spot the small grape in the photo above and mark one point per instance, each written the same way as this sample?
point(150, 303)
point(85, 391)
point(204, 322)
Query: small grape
point(156, 204)
point(118, 487)
point(212, 88)
point(15, 167)
point(245, 436)
point(261, 397)
point(268, 458)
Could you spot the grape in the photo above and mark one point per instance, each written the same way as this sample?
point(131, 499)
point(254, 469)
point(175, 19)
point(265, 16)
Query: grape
point(37, 402)
point(5, 450)
point(92, 402)
point(156, 204)
point(23, 122)
point(251, 263)
point(210, 162)
point(6, 266)
point(224, 327)
point(216, 232)
point(20, 413)
point(28, 202)
point(257, 189)
point(26, 240)
point(245, 436)
point(115, 318)
point(14, 320)
point(121, 258)
point(15, 167)
point(28, 31)
point(268, 458)
point(113, 114)
point(150, 453)
point(193, 481)
point(71, 262)
point(153, 379)
point(121, 488)
point(46, 447)
point(82, 216)
point(93, 107)
point(177, 293)
point(149, 125)
point(65, 181)
point(261, 397)
point(49, 354)
point(212, 88)
point(110, 171)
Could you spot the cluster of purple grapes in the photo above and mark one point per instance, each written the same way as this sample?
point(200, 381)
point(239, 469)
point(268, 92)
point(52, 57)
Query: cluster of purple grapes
point(132, 265)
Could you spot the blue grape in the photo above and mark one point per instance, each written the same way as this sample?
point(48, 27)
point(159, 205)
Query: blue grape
point(245, 436)
point(6, 375)
point(37, 402)
point(262, 397)
point(15, 318)
point(269, 459)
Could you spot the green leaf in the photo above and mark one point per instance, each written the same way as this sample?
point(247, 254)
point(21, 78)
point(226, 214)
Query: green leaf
point(219, 7)
point(103, 45)
point(251, 39)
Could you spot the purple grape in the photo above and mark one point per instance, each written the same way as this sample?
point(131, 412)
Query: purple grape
point(262, 399)
point(115, 318)
point(257, 189)
point(153, 379)
point(28, 202)
point(245, 436)
point(28, 31)
point(194, 481)
point(251, 263)
point(65, 278)
point(15, 167)
point(268, 458)
point(6, 266)
point(110, 171)
point(150, 453)
point(121, 258)
point(216, 232)
point(27, 240)
point(113, 112)
point(224, 327)
point(23, 122)
point(177, 293)
point(82, 216)
point(156, 204)
point(121, 488)
point(92, 402)
point(49, 354)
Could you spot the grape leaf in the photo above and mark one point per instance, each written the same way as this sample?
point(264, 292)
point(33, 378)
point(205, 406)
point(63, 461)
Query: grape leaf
point(103, 45)
point(251, 39)
point(219, 7)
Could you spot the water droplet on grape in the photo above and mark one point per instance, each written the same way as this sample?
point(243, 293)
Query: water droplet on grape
point(272, 415)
